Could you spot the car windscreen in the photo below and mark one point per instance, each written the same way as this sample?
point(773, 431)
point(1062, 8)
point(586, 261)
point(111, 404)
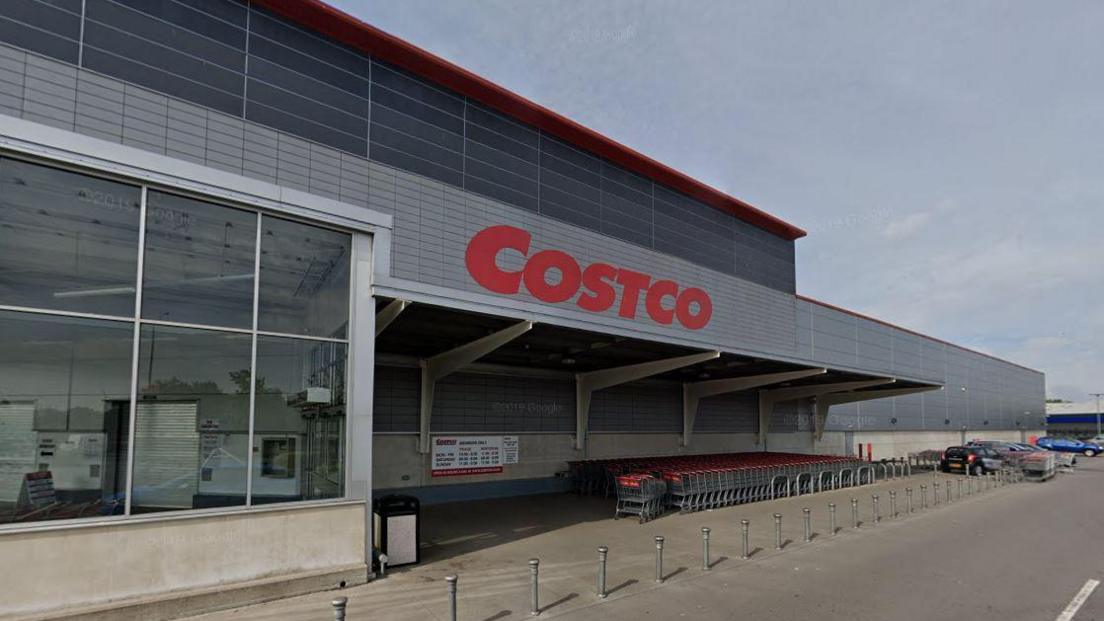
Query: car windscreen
point(957, 451)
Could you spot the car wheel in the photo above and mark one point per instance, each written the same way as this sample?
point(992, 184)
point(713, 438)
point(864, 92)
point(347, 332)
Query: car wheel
point(979, 470)
point(1090, 453)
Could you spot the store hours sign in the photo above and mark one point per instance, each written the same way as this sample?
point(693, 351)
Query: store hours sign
point(466, 455)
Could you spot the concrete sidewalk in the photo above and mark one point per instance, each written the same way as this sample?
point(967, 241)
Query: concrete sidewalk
point(564, 532)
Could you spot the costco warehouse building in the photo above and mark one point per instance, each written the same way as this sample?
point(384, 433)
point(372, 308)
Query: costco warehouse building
point(260, 261)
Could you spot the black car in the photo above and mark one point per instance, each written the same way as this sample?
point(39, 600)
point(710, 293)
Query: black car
point(976, 460)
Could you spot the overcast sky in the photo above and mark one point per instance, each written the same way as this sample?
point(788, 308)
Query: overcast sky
point(946, 158)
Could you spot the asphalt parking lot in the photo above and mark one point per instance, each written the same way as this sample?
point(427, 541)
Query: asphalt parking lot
point(1024, 551)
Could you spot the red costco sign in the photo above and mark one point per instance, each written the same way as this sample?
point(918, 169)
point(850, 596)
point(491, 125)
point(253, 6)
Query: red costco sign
point(602, 284)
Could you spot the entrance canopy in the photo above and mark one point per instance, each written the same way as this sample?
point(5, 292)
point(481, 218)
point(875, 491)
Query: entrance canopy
point(441, 341)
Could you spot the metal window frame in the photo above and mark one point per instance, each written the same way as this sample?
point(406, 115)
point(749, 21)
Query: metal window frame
point(61, 150)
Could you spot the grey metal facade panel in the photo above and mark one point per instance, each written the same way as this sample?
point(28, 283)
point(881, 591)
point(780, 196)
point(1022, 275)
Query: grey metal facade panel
point(476, 403)
point(637, 406)
point(168, 47)
point(48, 28)
point(980, 393)
point(249, 63)
point(395, 394)
point(728, 413)
point(790, 417)
point(434, 221)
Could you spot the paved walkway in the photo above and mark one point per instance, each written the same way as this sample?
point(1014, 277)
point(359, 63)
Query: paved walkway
point(488, 544)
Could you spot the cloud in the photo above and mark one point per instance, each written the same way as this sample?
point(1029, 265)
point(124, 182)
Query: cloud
point(907, 226)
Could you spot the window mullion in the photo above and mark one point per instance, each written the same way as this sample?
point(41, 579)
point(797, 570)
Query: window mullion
point(135, 350)
point(253, 368)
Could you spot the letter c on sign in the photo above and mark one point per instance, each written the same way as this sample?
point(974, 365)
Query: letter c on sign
point(653, 301)
point(683, 312)
point(482, 255)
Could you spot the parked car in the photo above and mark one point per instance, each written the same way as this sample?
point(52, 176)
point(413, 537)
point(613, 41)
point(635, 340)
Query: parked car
point(1031, 448)
point(1097, 440)
point(1069, 445)
point(970, 459)
point(997, 445)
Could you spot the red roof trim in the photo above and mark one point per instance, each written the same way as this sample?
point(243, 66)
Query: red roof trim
point(913, 332)
point(342, 27)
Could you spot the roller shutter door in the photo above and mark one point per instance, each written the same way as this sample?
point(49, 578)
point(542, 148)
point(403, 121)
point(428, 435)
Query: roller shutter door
point(166, 457)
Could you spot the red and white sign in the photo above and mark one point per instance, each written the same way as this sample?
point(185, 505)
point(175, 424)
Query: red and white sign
point(464, 455)
point(602, 284)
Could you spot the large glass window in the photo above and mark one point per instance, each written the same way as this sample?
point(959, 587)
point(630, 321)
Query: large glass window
point(304, 279)
point(64, 413)
point(300, 420)
point(69, 248)
point(67, 241)
point(191, 433)
point(199, 263)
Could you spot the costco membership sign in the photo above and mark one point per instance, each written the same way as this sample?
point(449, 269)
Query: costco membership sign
point(463, 455)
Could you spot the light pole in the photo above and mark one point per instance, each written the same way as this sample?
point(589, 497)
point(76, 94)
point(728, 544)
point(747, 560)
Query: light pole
point(1097, 395)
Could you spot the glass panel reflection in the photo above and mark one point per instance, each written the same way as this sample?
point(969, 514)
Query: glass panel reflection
point(191, 433)
point(199, 262)
point(299, 426)
point(67, 241)
point(304, 279)
point(64, 411)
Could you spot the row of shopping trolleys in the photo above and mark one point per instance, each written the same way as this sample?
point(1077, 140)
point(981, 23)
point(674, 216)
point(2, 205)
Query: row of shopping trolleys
point(648, 487)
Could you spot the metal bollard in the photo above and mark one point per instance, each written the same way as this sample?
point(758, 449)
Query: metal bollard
point(451, 580)
point(744, 551)
point(908, 500)
point(948, 486)
point(808, 524)
point(534, 589)
point(935, 494)
point(832, 518)
point(659, 559)
point(877, 512)
point(854, 513)
point(603, 551)
point(383, 565)
point(959, 489)
point(339, 608)
point(923, 497)
point(705, 548)
point(893, 503)
point(777, 531)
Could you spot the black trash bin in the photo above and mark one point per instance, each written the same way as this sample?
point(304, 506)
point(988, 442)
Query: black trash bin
point(398, 528)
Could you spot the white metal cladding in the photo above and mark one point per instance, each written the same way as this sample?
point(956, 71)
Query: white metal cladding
point(434, 221)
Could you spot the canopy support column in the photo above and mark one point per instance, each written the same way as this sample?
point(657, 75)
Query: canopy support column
point(444, 363)
point(587, 383)
point(694, 392)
